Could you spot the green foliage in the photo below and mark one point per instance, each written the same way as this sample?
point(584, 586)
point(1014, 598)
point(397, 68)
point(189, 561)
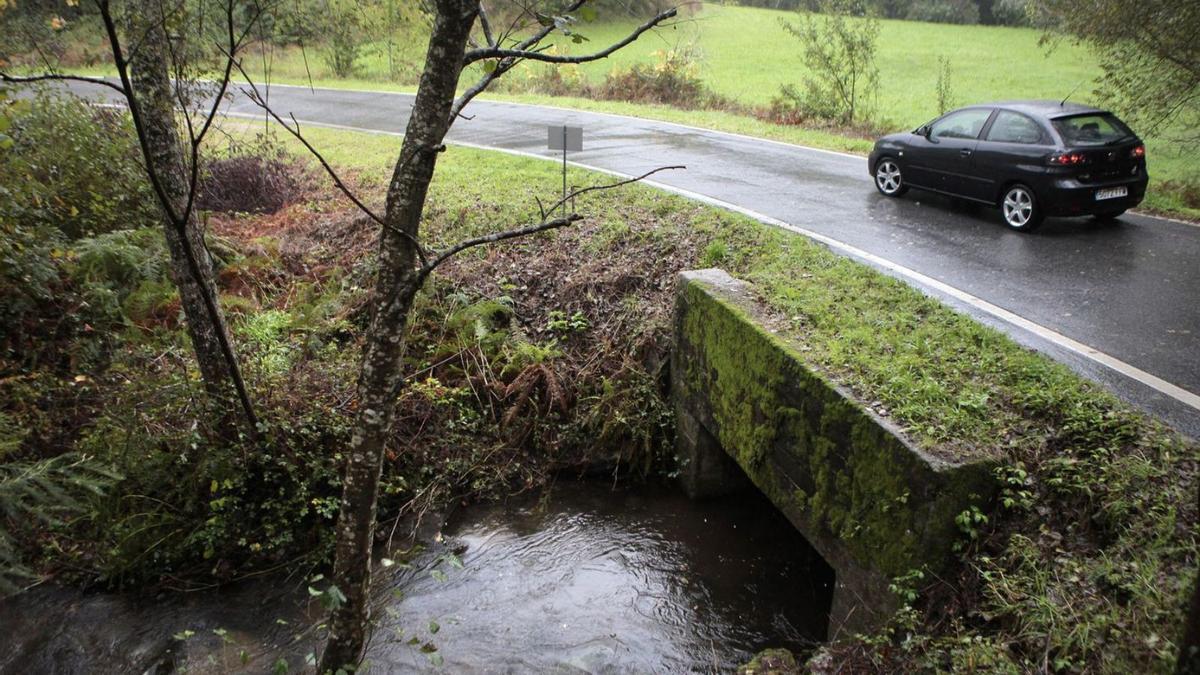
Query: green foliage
point(839, 52)
point(266, 334)
point(72, 167)
point(69, 174)
point(108, 269)
point(344, 30)
point(79, 292)
point(1149, 54)
point(557, 321)
point(943, 11)
point(673, 79)
point(48, 493)
point(193, 507)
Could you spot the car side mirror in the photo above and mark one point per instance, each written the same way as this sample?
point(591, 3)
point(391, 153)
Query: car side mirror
point(924, 131)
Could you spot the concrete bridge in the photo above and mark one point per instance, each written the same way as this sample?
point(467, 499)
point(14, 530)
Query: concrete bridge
point(748, 406)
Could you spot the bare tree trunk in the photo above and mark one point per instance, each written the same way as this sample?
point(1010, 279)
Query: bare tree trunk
point(399, 278)
point(165, 155)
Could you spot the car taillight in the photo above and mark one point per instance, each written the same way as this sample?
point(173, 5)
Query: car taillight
point(1138, 152)
point(1068, 159)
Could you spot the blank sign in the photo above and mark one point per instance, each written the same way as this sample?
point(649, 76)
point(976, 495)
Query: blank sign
point(572, 137)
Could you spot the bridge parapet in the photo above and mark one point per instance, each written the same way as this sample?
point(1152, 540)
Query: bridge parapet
point(748, 405)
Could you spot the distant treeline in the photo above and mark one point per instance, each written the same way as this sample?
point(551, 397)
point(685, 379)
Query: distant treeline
point(988, 12)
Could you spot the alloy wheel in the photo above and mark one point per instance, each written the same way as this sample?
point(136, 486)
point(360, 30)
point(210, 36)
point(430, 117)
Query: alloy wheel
point(887, 177)
point(1018, 207)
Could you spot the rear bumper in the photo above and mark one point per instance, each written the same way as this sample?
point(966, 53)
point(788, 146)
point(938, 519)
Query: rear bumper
point(1068, 197)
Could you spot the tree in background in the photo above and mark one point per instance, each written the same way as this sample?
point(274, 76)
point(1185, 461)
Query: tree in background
point(1150, 54)
point(839, 50)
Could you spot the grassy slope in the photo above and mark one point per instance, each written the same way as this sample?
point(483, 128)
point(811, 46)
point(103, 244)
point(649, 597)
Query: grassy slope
point(1088, 559)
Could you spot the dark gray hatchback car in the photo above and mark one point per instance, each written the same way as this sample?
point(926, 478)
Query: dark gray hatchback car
point(1031, 158)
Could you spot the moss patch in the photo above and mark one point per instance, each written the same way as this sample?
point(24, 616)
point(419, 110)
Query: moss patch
point(819, 455)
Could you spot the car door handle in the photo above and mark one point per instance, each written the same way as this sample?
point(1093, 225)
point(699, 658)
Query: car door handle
point(965, 152)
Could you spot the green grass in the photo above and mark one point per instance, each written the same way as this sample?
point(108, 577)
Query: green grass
point(1088, 558)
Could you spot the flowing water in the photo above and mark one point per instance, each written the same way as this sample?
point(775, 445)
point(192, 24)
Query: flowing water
point(585, 579)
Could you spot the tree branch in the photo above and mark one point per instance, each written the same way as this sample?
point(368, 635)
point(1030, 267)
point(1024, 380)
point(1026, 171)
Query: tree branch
point(503, 65)
point(495, 237)
point(206, 293)
point(486, 26)
point(56, 77)
point(235, 43)
point(517, 53)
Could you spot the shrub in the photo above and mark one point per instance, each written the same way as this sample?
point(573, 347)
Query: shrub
point(555, 80)
point(60, 302)
point(248, 184)
point(943, 88)
point(1012, 13)
point(47, 492)
point(944, 11)
point(672, 80)
point(839, 50)
point(72, 167)
point(190, 508)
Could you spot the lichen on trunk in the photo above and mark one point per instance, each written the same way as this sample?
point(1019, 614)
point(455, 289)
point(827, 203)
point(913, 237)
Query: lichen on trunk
point(398, 280)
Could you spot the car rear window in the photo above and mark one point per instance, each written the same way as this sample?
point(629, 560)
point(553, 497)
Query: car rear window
point(1091, 129)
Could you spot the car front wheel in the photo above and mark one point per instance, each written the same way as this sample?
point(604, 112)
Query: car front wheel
point(1021, 209)
point(888, 179)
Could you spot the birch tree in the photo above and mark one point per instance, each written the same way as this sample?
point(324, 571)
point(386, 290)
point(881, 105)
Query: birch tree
point(461, 35)
point(153, 70)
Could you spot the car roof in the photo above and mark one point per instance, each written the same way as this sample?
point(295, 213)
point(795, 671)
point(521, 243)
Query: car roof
point(1043, 108)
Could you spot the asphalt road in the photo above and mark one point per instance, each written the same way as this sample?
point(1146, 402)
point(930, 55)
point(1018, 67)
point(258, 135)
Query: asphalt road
point(1119, 303)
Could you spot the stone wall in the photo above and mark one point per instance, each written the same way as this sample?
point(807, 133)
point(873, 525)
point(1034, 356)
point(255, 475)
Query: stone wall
point(874, 505)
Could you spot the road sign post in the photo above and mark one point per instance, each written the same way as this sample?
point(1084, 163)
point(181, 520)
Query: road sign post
point(564, 138)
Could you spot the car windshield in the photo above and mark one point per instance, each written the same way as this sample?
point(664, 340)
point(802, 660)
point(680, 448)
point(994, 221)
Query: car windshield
point(1092, 129)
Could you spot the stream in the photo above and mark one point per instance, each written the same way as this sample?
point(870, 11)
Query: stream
point(584, 579)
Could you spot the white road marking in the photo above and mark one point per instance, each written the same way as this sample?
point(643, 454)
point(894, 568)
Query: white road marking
point(1132, 372)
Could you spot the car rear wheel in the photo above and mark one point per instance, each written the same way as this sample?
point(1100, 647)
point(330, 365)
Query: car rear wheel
point(1021, 209)
point(888, 178)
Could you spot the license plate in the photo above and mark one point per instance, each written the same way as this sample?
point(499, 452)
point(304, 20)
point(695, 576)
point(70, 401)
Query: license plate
point(1112, 193)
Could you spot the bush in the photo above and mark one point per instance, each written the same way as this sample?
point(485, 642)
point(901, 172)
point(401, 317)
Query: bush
point(249, 183)
point(72, 167)
point(944, 11)
point(1011, 13)
point(68, 173)
point(672, 80)
point(839, 50)
point(60, 302)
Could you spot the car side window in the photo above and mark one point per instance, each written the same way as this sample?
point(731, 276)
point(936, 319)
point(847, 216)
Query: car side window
point(1012, 127)
point(961, 124)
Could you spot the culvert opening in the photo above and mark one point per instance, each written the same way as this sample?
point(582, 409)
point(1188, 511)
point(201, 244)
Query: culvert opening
point(809, 579)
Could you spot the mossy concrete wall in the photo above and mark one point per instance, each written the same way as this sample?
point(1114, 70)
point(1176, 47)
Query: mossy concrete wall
point(871, 503)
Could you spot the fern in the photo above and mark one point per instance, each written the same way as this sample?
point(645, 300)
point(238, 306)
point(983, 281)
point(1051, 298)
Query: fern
point(48, 493)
